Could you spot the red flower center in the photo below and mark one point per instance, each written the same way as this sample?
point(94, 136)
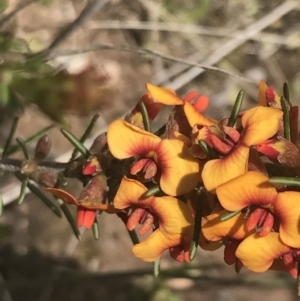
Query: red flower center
point(261, 219)
point(143, 217)
point(146, 166)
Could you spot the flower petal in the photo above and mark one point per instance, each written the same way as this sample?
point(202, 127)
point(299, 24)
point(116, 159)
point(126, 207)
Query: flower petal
point(287, 208)
point(129, 193)
point(180, 171)
point(260, 123)
point(153, 247)
point(174, 215)
point(85, 217)
point(247, 189)
point(126, 140)
point(164, 95)
point(194, 117)
point(258, 253)
point(219, 171)
point(62, 194)
point(214, 229)
point(262, 100)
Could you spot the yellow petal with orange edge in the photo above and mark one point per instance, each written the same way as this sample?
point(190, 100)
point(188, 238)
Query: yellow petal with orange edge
point(62, 194)
point(258, 253)
point(219, 171)
point(214, 229)
point(287, 208)
point(175, 217)
point(153, 247)
point(262, 89)
point(164, 95)
point(260, 123)
point(194, 117)
point(126, 140)
point(209, 245)
point(180, 171)
point(129, 193)
point(251, 188)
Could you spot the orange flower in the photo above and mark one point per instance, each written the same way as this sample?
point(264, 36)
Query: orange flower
point(169, 97)
point(254, 188)
point(259, 253)
point(259, 124)
point(174, 219)
point(178, 171)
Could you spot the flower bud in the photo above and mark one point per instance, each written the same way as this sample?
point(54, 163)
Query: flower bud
point(281, 150)
point(42, 148)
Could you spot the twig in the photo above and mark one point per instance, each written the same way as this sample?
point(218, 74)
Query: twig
point(190, 28)
point(86, 13)
point(13, 165)
point(7, 17)
point(232, 44)
point(143, 51)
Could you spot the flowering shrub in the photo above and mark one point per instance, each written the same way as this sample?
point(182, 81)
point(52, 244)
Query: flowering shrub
point(229, 184)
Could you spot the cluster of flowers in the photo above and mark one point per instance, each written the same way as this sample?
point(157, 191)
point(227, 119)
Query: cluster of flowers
point(198, 181)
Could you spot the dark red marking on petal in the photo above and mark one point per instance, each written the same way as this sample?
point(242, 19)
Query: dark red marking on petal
point(134, 218)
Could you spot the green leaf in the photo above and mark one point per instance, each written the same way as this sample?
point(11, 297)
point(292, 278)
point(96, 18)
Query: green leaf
point(286, 181)
point(228, 215)
point(69, 217)
point(197, 227)
point(236, 109)
point(77, 144)
point(86, 134)
point(145, 116)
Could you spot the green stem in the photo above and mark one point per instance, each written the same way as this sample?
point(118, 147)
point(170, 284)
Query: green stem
point(23, 147)
point(197, 228)
point(96, 229)
point(228, 215)
point(86, 134)
point(134, 238)
point(64, 208)
point(211, 154)
point(286, 181)
point(10, 137)
point(151, 192)
point(40, 194)
point(35, 137)
point(236, 109)
point(286, 118)
point(22, 191)
point(76, 143)
point(145, 116)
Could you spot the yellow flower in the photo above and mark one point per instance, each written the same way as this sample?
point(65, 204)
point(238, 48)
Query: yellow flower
point(173, 217)
point(178, 171)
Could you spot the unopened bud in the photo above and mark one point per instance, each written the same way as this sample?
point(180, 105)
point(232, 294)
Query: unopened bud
point(281, 150)
point(95, 191)
point(43, 148)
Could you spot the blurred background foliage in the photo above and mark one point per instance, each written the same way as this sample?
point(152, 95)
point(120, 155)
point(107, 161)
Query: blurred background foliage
point(39, 256)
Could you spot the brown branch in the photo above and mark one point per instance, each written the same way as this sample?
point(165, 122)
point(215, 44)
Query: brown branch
point(13, 165)
point(143, 51)
point(86, 13)
point(7, 17)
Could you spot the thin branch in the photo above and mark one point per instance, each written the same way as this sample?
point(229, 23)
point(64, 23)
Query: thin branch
point(252, 30)
point(13, 165)
point(86, 13)
point(7, 17)
point(143, 51)
point(190, 28)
